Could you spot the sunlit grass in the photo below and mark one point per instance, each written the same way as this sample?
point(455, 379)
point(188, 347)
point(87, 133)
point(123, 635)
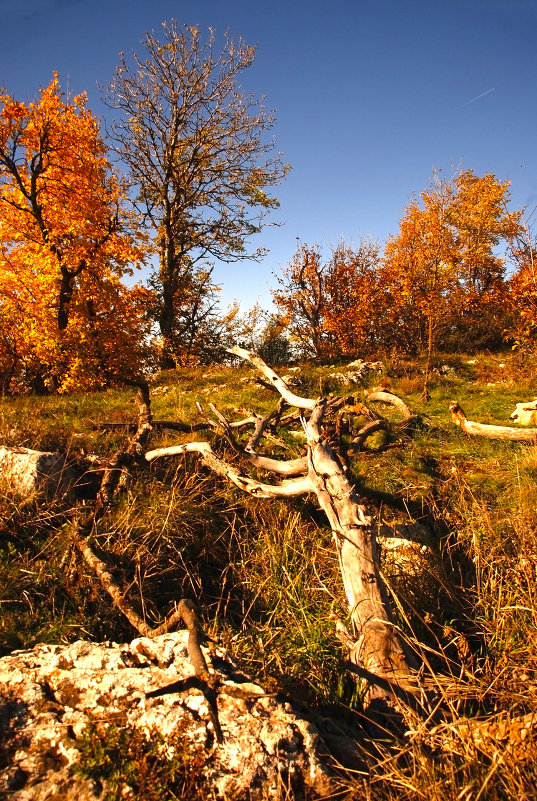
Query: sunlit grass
point(266, 575)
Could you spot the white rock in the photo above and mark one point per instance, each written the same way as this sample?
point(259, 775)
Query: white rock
point(526, 413)
point(50, 694)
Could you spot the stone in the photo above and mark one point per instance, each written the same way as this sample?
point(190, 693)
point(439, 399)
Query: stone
point(526, 413)
point(50, 694)
point(29, 473)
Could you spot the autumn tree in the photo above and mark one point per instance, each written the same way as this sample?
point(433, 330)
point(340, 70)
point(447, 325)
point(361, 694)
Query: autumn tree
point(482, 222)
point(420, 265)
point(329, 306)
point(260, 330)
point(354, 311)
point(198, 155)
point(522, 293)
point(65, 243)
point(442, 264)
point(301, 303)
point(199, 323)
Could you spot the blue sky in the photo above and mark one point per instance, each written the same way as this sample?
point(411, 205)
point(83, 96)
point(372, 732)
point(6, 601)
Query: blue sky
point(370, 95)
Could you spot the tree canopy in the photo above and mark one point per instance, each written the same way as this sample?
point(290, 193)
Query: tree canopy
point(198, 156)
point(66, 240)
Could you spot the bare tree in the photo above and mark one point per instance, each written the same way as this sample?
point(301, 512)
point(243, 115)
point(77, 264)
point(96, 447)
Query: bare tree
point(199, 157)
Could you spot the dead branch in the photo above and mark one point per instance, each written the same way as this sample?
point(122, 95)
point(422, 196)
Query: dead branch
point(117, 595)
point(158, 425)
point(116, 473)
point(286, 489)
point(174, 425)
point(528, 435)
point(290, 467)
point(377, 645)
point(262, 423)
point(358, 441)
point(273, 378)
point(393, 400)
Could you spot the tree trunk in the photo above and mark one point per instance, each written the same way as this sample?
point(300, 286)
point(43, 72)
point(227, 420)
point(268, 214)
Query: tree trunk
point(64, 300)
point(378, 647)
point(430, 346)
point(166, 318)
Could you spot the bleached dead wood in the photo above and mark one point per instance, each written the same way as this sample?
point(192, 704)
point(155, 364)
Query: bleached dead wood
point(377, 646)
point(409, 418)
point(286, 489)
point(273, 379)
point(357, 442)
point(117, 595)
point(528, 435)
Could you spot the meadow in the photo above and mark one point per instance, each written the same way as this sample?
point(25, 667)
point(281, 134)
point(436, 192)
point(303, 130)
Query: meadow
point(265, 572)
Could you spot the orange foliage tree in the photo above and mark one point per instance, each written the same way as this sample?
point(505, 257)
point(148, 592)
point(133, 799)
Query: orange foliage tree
point(330, 307)
point(353, 294)
point(522, 295)
point(481, 220)
point(441, 271)
point(301, 301)
point(65, 243)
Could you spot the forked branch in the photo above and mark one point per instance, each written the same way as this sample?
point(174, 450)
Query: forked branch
point(377, 646)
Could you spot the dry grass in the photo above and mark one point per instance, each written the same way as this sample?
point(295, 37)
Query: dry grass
point(267, 579)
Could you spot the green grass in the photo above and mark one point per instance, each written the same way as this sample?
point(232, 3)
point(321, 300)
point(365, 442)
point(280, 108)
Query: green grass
point(266, 574)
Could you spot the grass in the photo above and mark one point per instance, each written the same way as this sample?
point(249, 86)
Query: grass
point(267, 578)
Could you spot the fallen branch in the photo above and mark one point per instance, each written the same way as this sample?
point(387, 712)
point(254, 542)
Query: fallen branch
point(273, 379)
point(289, 467)
point(116, 593)
point(286, 489)
point(116, 473)
point(528, 435)
point(357, 442)
point(377, 645)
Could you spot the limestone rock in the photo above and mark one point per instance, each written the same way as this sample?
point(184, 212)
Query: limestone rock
point(50, 694)
point(526, 413)
point(28, 473)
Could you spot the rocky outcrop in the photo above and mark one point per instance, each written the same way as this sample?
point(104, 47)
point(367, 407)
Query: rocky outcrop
point(51, 694)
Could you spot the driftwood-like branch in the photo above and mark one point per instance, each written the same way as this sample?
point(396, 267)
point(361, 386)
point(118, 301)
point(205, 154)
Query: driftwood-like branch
point(262, 424)
point(117, 595)
point(273, 378)
point(377, 645)
point(357, 442)
point(286, 489)
point(393, 400)
point(289, 467)
point(116, 473)
point(528, 435)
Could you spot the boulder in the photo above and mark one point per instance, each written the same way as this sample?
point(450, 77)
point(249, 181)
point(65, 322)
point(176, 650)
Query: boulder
point(526, 413)
point(28, 473)
point(50, 695)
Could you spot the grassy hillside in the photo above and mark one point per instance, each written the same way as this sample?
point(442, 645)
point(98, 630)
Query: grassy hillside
point(266, 575)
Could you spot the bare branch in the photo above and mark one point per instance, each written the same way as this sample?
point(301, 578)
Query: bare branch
point(274, 379)
point(458, 416)
point(370, 428)
point(291, 467)
point(393, 400)
point(287, 489)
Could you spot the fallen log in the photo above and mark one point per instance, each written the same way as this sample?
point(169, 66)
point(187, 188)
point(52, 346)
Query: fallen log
point(528, 435)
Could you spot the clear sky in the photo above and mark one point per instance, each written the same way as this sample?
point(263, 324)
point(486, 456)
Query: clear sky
point(370, 95)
